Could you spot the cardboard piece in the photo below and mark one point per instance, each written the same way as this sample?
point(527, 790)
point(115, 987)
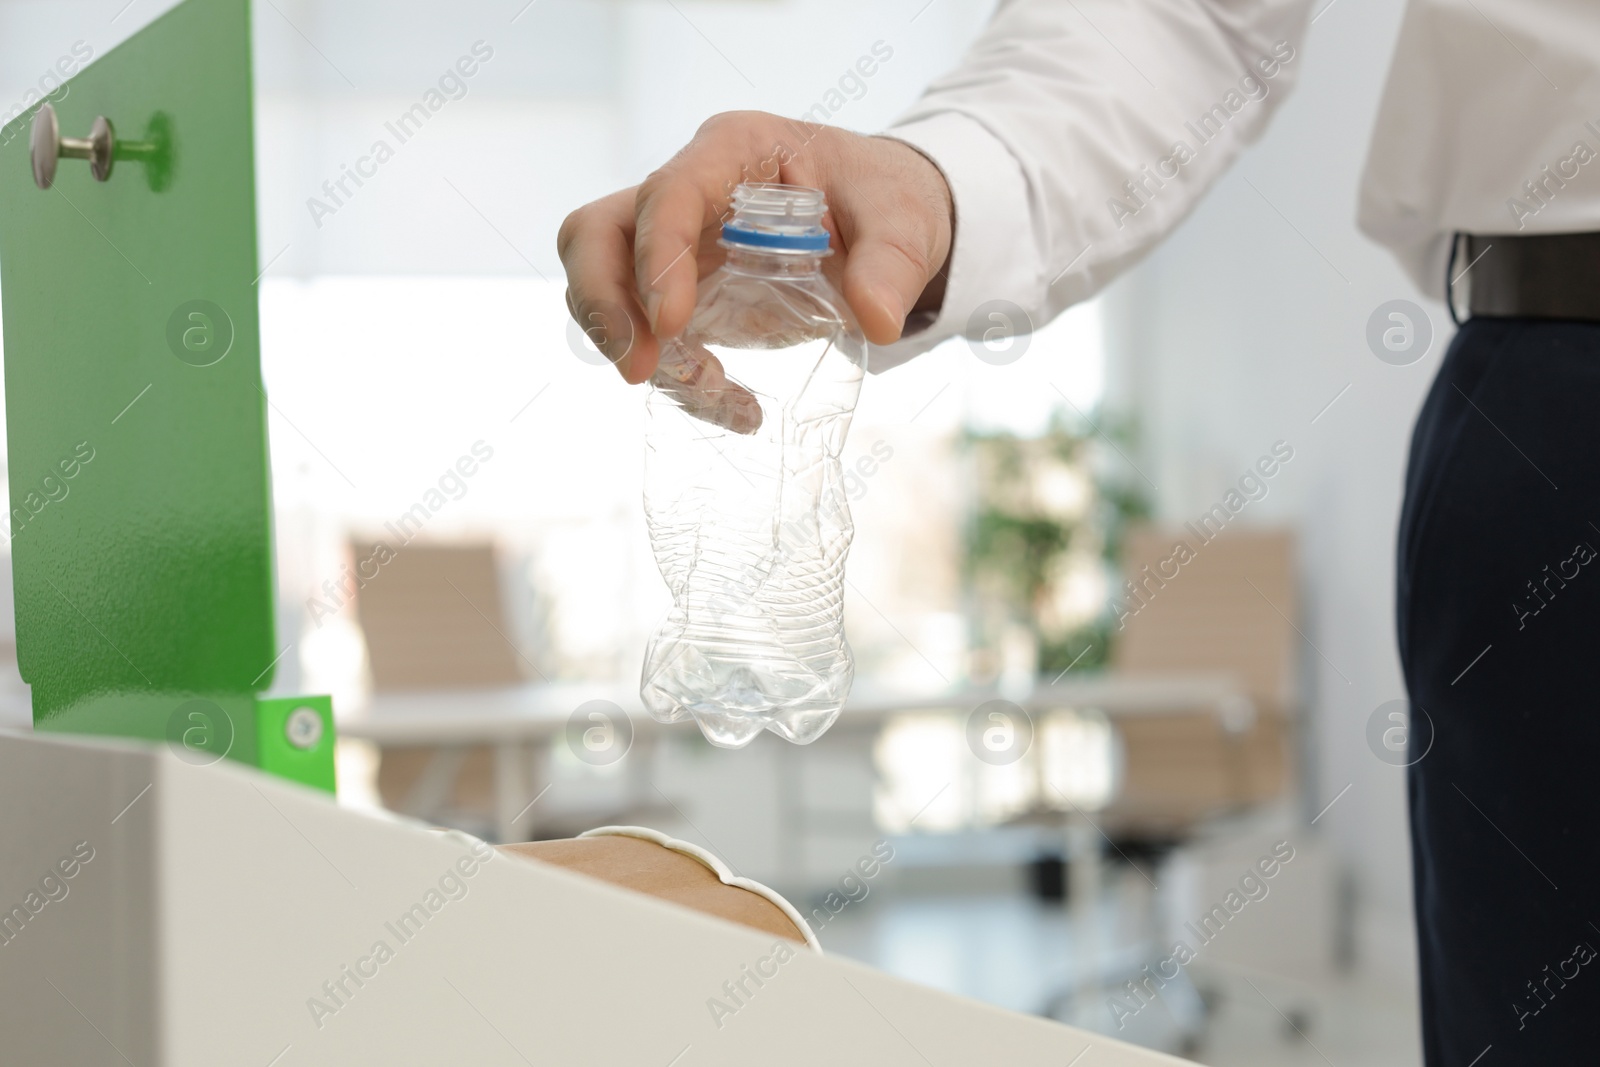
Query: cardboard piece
point(649, 868)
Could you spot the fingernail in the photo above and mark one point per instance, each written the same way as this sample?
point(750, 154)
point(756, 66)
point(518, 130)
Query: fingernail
point(745, 416)
point(652, 309)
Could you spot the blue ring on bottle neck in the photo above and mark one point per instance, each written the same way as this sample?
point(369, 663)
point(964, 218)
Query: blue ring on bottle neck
point(783, 242)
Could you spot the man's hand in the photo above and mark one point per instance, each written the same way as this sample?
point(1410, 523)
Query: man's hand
point(639, 254)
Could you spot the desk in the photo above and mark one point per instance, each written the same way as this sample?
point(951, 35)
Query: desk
point(521, 722)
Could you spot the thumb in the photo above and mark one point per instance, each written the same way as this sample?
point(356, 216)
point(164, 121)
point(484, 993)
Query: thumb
point(888, 265)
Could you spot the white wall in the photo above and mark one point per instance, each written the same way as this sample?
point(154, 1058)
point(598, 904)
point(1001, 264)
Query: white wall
point(1236, 334)
point(581, 98)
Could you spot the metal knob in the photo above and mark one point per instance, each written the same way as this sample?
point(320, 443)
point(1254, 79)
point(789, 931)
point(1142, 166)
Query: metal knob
point(48, 147)
point(101, 148)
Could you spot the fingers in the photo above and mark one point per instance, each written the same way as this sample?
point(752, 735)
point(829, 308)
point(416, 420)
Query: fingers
point(897, 229)
point(679, 203)
point(635, 258)
point(882, 279)
point(672, 211)
point(596, 247)
point(698, 383)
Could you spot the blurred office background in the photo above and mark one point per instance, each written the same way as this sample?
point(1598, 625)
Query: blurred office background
point(418, 319)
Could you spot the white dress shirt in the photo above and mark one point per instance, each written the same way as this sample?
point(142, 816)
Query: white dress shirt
point(1077, 133)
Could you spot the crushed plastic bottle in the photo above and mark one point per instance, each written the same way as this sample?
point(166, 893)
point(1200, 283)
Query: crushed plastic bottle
point(744, 488)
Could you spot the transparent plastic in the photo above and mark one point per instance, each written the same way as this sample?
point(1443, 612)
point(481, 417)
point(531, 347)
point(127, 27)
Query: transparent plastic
point(744, 487)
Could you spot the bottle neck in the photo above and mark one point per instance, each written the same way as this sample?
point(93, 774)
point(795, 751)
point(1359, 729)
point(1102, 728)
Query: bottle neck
point(761, 263)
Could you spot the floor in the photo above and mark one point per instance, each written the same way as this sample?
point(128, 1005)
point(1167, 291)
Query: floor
point(1012, 950)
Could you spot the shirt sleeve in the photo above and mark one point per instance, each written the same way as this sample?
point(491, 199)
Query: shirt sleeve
point(1077, 133)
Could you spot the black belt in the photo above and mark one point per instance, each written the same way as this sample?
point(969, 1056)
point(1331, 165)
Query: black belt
point(1543, 276)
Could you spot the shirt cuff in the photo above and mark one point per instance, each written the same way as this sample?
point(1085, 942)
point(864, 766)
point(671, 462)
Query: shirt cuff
point(994, 256)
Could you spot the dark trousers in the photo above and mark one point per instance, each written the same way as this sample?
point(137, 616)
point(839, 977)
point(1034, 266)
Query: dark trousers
point(1499, 628)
